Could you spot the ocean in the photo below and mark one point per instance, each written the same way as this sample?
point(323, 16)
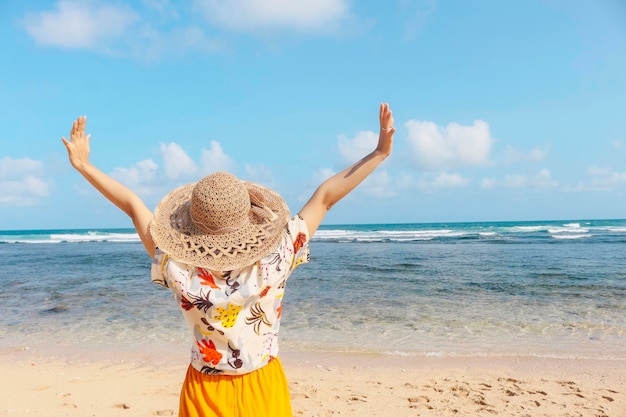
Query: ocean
point(542, 288)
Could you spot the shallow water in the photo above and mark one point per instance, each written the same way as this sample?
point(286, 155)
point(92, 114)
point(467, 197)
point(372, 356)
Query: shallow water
point(554, 289)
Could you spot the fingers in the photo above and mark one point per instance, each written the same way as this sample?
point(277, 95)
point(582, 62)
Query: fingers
point(386, 117)
point(78, 144)
point(82, 120)
point(78, 128)
point(384, 108)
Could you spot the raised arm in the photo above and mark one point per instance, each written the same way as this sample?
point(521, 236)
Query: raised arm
point(117, 193)
point(338, 186)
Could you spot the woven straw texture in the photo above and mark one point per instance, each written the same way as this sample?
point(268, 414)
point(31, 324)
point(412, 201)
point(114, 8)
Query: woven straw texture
point(219, 223)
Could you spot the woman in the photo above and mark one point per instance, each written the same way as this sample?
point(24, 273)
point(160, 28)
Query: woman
point(225, 249)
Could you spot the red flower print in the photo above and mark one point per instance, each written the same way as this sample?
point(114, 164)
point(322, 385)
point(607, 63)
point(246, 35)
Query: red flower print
point(279, 311)
point(185, 304)
point(265, 291)
point(206, 278)
point(209, 353)
point(299, 242)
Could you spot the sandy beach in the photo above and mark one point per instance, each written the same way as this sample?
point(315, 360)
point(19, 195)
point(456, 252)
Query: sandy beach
point(137, 384)
point(491, 319)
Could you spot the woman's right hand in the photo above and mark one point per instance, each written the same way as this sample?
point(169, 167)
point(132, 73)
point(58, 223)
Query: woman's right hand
point(78, 145)
point(339, 185)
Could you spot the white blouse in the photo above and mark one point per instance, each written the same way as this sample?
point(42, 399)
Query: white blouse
point(234, 316)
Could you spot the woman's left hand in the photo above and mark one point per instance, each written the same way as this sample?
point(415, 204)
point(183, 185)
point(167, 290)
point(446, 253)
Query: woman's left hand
point(385, 137)
point(78, 145)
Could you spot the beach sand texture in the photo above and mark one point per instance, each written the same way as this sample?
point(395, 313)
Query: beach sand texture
point(326, 385)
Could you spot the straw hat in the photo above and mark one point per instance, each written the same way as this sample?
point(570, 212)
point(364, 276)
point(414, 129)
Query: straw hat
point(220, 222)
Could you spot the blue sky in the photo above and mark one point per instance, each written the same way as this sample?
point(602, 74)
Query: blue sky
point(504, 110)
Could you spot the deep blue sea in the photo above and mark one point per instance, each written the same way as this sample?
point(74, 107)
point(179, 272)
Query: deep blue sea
point(544, 288)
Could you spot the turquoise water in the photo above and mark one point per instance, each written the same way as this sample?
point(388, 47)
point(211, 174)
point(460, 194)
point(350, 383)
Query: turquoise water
point(553, 288)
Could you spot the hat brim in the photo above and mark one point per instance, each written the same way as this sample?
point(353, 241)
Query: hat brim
point(174, 232)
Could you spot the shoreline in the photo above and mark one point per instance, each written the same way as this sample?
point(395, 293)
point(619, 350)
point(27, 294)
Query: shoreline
point(166, 353)
point(144, 382)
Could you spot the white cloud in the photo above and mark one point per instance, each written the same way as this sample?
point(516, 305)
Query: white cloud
point(177, 162)
point(118, 29)
point(141, 178)
point(432, 182)
point(153, 29)
point(147, 178)
point(143, 172)
point(320, 175)
point(489, 183)
point(599, 172)
point(214, 159)
point(446, 180)
point(382, 184)
point(454, 146)
point(21, 182)
point(151, 43)
point(261, 174)
point(607, 179)
point(356, 148)
point(512, 155)
point(164, 7)
point(601, 179)
point(323, 174)
point(16, 168)
point(80, 24)
point(415, 13)
point(379, 184)
point(617, 144)
point(541, 180)
point(251, 15)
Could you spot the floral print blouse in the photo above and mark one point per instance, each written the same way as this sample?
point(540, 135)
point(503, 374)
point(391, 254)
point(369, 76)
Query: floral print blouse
point(234, 316)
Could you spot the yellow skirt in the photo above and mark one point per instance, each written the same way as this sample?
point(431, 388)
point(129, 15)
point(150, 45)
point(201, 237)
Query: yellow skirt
point(262, 393)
